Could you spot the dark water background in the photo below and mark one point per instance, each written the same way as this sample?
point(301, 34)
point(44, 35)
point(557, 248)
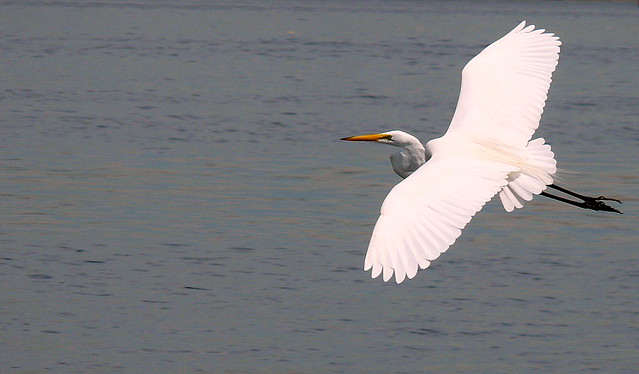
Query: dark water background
point(175, 200)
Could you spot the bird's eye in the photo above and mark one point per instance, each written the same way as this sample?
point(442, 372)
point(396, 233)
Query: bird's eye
point(389, 137)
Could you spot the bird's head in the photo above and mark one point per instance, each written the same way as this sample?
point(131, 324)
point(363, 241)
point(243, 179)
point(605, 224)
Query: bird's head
point(396, 138)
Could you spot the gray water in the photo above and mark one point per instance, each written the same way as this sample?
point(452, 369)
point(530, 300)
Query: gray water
point(175, 200)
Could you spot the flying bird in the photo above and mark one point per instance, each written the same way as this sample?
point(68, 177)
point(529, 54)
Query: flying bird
point(486, 151)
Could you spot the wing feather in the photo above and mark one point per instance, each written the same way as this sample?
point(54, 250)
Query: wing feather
point(425, 213)
point(504, 88)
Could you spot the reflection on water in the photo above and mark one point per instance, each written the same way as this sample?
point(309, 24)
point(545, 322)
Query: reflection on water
point(175, 198)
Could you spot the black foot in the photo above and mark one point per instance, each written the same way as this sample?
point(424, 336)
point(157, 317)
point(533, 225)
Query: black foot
point(592, 203)
point(609, 199)
point(596, 203)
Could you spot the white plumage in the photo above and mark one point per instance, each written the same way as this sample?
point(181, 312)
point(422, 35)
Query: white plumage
point(486, 151)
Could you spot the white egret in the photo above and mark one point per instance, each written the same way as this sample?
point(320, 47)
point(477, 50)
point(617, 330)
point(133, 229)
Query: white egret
point(487, 150)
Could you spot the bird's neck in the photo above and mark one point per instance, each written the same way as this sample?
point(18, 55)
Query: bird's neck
point(416, 153)
point(408, 160)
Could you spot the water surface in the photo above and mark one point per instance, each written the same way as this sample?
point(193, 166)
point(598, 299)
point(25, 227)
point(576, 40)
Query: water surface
point(175, 198)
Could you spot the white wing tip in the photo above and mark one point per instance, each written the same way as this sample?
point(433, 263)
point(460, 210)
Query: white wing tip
point(521, 27)
point(400, 276)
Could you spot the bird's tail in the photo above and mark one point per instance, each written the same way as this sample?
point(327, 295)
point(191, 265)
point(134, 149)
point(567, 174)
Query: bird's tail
point(536, 173)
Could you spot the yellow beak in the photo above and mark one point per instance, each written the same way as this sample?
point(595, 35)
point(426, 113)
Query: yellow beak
point(367, 138)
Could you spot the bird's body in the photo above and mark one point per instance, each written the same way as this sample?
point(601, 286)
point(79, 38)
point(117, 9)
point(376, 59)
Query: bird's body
point(486, 151)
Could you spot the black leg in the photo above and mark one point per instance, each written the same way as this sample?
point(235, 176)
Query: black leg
point(582, 197)
point(592, 203)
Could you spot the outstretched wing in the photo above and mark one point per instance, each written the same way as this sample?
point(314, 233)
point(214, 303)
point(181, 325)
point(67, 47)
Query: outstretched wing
point(504, 88)
point(424, 214)
point(502, 97)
